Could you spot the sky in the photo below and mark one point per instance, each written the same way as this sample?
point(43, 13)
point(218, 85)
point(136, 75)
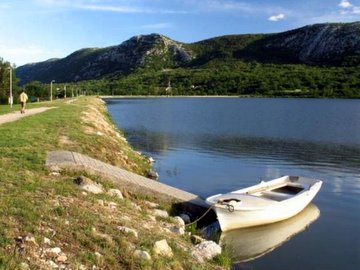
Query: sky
point(37, 30)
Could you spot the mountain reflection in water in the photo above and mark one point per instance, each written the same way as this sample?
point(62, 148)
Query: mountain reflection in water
point(250, 243)
point(302, 153)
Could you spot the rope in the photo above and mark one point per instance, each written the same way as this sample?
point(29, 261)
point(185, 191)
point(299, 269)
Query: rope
point(207, 211)
point(225, 202)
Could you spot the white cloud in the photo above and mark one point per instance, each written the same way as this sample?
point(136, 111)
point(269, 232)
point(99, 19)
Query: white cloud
point(141, 6)
point(118, 9)
point(21, 55)
point(129, 9)
point(5, 5)
point(345, 12)
point(345, 4)
point(111, 6)
point(276, 18)
point(157, 26)
point(235, 6)
point(223, 5)
point(348, 9)
point(356, 10)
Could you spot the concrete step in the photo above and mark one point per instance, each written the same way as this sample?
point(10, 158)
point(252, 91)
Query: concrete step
point(130, 181)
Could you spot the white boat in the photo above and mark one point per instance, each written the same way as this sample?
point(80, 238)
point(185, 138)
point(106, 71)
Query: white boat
point(264, 203)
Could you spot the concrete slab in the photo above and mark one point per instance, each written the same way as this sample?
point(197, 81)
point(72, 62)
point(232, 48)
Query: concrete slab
point(133, 182)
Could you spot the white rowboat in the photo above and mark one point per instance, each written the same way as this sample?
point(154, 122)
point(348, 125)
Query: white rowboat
point(264, 203)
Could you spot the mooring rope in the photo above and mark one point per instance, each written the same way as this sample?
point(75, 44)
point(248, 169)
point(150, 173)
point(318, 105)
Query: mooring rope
point(227, 203)
point(195, 221)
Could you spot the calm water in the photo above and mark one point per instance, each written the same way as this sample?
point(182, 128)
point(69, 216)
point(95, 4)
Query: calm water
point(215, 145)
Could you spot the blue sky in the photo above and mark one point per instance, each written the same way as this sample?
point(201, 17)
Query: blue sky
point(36, 30)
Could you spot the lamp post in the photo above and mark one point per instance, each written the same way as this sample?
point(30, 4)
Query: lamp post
point(11, 94)
point(51, 92)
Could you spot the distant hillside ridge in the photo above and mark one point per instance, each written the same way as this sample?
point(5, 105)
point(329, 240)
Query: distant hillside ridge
point(329, 44)
point(335, 44)
point(154, 50)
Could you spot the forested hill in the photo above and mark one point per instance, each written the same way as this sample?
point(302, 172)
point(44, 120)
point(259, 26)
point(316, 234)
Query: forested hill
point(336, 44)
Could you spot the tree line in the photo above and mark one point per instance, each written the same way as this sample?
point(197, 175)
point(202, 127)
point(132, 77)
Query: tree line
point(231, 77)
point(236, 79)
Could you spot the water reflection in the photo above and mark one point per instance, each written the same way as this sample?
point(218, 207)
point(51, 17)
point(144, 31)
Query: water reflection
point(209, 146)
point(262, 149)
point(150, 142)
point(250, 243)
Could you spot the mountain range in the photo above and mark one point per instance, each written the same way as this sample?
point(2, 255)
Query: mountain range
point(329, 44)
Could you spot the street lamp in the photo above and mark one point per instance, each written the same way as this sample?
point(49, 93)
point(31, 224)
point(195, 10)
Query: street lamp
point(11, 94)
point(51, 95)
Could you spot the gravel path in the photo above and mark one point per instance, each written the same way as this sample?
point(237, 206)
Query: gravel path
point(13, 116)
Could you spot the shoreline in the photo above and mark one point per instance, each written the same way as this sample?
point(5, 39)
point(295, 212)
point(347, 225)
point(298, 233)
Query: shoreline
point(54, 217)
point(151, 96)
point(105, 97)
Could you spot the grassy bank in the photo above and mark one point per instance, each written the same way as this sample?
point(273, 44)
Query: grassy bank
point(39, 211)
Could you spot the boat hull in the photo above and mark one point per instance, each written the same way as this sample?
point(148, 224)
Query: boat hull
point(264, 212)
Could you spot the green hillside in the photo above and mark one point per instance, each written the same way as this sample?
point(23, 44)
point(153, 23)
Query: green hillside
point(315, 60)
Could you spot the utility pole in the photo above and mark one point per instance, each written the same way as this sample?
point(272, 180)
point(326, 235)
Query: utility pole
point(11, 100)
point(51, 91)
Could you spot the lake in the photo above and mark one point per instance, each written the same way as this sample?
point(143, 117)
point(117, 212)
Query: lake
point(214, 145)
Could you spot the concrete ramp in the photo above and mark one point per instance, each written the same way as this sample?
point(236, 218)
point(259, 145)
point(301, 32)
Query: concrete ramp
point(133, 182)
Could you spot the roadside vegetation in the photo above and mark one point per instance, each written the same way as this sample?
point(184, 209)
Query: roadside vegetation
point(220, 76)
point(234, 78)
point(238, 78)
point(46, 221)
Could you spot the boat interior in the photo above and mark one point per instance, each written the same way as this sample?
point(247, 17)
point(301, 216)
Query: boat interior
point(280, 193)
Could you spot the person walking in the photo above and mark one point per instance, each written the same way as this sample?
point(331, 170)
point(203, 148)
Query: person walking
point(23, 98)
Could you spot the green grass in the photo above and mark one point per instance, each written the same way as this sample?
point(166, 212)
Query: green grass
point(33, 203)
point(16, 107)
point(224, 259)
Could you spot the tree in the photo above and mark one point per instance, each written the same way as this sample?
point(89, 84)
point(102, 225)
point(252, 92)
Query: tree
point(37, 89)
point(5, 69)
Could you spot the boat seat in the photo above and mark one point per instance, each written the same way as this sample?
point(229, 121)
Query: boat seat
point(276, 196)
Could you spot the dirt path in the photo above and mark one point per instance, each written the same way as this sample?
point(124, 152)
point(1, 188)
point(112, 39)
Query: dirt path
point(13, 116)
